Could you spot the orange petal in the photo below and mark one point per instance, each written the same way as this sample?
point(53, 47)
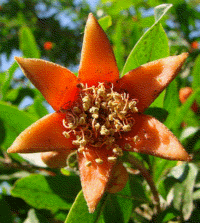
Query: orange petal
point(98, 62)
point(146, 82)
point(55, 159)
point(94, 178)
point(42, 136)
point(154, 139)
point(56, 83)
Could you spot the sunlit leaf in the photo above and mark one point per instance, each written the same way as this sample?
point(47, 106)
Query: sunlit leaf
point(52, 193)
point(151, 46)
point(27, 43)
point(13, 122)
point(105, 22)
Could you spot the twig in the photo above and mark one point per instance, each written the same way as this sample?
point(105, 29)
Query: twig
point(145, 173)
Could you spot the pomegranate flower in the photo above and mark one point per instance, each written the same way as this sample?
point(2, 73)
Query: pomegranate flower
point(99, 114)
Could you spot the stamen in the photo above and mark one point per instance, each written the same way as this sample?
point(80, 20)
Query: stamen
point(112, 159)
point(99, 161)
point(66, 134)
point(88, 163)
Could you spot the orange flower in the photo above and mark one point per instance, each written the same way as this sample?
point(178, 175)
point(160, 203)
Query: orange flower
point(48, 45)
point(99, 113)
point(184, 94)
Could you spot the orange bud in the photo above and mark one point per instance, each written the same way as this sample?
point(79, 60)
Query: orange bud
point(184, 94)
point(48, 45)
point(194, 45)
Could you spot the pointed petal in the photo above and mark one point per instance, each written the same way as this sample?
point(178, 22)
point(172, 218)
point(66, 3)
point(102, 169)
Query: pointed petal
point(55, 159)
point(94, 178)
point(42, 136)
point(56, 83)
point(97, 59)
point(154, 139)
point(146, 82)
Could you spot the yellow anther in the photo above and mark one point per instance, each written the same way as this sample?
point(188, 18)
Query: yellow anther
point(66, 134)
point(118, 151)
point(99, 161)
point(134, 109)
point(94, 110)
point(127, 128)
point(117, 126)
point(88, 163)
point(132, 104)
point(86, 99)
point(104, 105)
point(104, 130)
point(76, 142)
point(95, 116)
point(110, 117)
point(97, 126)
point(81, 149)
point(86, 106)
point(112, 159)
point(136, 138)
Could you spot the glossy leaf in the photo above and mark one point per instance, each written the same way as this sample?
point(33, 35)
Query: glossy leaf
point(151, 46)
point(105, 22)
point(195, 75)
point(161, 10)
point(13, 122)
point(79, 211)
point(8, 79)
point(52, 193)
point(177, 119)
point(27, 43)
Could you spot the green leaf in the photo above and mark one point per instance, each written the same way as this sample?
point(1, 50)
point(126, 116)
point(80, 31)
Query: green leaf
point(161, 10)
point(51, 193)
point(79, 211)
point(196, 76)
point(13, 122)
point(183, 191)
point(35, 217)
point(8, 79)
point(151, 46)
point(105, 22)
point(27, 43)
point(158, 113)
point(171, 93)
point(120, 205)
point(177, 119)
point(118, 44)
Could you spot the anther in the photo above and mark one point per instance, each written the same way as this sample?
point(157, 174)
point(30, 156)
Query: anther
point(134, 109)
point(97, 126)
point(118, 151)
point(81, 121)
point(136, 138)
point(112, 159)
point(66, 134)
point(99, 161)
point(81, 149)
point(94, 110)
point(88, 163)
point(104, 130)
point(127, 128)
point(95, 116)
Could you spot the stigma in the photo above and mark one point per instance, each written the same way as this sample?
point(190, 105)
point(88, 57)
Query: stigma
point(100, 117)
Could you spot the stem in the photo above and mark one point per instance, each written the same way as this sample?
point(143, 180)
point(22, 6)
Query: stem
point(145, 173)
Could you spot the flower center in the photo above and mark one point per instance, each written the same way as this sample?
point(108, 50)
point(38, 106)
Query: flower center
point(101, 117)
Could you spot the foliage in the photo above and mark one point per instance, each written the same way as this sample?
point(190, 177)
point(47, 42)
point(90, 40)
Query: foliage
point(34, 193)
